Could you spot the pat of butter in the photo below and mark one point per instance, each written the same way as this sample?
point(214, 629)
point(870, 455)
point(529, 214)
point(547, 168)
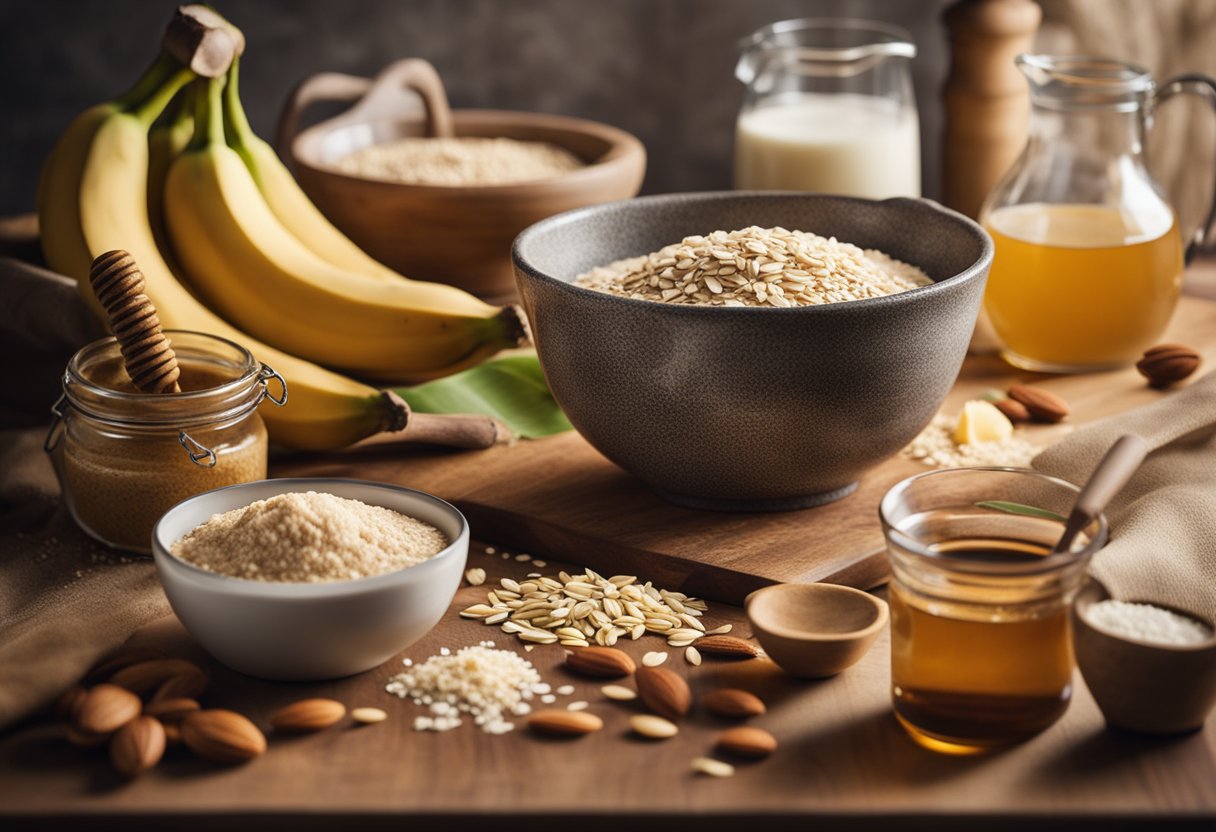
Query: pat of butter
point(980, 422)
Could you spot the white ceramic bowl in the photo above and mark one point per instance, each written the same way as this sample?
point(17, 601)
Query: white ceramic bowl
point(294, 631)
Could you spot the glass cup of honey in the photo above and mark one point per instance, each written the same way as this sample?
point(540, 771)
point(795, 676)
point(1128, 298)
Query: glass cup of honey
point(981, 640)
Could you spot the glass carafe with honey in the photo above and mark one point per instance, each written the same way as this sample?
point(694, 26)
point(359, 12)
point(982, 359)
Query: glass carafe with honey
point(1089, 254)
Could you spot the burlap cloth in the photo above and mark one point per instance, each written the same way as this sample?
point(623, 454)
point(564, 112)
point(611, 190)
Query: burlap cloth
point(64, 601)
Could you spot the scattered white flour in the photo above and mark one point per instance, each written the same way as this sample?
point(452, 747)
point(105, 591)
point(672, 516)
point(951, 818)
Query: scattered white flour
point(1147, 623)
point(489, 685)
point(309, 537)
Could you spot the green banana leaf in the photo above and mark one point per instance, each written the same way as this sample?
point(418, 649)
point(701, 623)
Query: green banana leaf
point(512, 389)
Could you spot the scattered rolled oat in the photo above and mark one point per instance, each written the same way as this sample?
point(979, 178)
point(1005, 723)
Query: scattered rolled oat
point(619, 693)
point(587, 608)
point(756, 267)
point(935, 446)
point(654, 658)
point(368, 716)
point(712, 767)
point(692, 655)
point(475, 576)
point(580, 705)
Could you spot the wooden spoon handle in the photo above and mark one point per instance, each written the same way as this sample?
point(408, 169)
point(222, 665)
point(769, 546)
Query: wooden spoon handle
point(1107, 480)
point(118, 285)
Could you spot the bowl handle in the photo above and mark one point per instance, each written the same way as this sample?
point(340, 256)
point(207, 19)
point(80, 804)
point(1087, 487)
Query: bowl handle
point(409, 73)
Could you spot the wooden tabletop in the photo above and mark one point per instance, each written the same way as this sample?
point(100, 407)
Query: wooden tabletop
point(843, 761)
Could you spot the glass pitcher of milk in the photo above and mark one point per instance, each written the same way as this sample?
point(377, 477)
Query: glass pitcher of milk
point(829, 108)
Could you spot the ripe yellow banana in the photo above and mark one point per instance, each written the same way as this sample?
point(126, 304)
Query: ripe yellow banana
point(254, 272)
point(297, 212)
point(93, 198)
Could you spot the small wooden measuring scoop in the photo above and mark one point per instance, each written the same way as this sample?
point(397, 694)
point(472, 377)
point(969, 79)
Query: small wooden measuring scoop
point(118, 285)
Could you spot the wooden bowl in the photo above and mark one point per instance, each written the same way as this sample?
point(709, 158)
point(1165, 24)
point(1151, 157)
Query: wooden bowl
point(1142, 686)
point(815, 630)
point(457, 235)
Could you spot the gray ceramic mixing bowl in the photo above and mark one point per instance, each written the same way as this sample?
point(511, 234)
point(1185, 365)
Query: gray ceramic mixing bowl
point(751, 408)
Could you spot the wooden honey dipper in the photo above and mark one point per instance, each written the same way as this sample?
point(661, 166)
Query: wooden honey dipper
point(118, 285)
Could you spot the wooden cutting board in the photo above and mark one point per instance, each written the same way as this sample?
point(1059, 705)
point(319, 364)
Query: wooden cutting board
point(560, 498)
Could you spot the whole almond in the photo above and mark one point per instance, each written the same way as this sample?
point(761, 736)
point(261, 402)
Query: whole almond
point(565, 723)
point(173, 733)
point(107, 667)
point(190, 683)
point(138, 746)
point(746, 741)
point(1014, 411)
point(107, 708)
point(1042, 405)
point(601, 662)
point(664, 692)
point(727, 647)
point(145, 678)
point(171, 710)
point(1166, 364)
point(222, 736)
point(69, 702)
point(733, 703)
point(307, 715)
point(84, 739)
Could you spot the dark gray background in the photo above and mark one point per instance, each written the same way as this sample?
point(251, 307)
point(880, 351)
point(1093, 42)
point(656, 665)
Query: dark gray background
point(662, 69)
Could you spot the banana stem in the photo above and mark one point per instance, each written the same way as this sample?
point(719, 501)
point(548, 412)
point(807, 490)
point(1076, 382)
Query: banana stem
point(208, 114)
point(151, 108)
point(235, 120)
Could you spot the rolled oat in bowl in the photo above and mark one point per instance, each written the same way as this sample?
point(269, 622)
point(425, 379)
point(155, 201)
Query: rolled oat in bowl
point(765, 267)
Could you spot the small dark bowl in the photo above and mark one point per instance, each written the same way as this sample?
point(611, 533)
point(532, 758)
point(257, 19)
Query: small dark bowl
point(742, 408)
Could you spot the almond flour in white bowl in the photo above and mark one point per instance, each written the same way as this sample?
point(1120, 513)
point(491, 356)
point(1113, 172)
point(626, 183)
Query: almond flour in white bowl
point(309, 537)
point(296, 630)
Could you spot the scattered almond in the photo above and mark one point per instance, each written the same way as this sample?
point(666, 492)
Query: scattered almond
point(733, 703)
point(712, 767)
point(565, 723)
point(746, 741)
point(69, 702)
point(1166, 364)
point(1042, 405)
point(171, 710)
point(619, 693)
point(103, 670)
point(222, 736)
point(307, 715)
point(84, 739)
point(604, 662)
point(190, 683)
point(106, 709)
point(653, 727)
point(138, 746)
point(147, 677)
point(173, 733)
point(664, 692)
point(654, 658)
point(1014, 411)
point(727, 647)
point(368, 716)
point(692, 656)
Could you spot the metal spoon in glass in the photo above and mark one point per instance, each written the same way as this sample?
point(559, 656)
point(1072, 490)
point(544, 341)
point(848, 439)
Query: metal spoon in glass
point(1108, 478)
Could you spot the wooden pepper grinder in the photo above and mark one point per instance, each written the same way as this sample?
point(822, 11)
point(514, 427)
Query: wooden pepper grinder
point(986, 99)
point(118, 285)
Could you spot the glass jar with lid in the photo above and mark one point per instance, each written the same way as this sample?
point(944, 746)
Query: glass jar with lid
point(124, 457)
point(829, 107)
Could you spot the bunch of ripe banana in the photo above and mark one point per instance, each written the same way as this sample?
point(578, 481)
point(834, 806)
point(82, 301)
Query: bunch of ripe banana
point(229, 245)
